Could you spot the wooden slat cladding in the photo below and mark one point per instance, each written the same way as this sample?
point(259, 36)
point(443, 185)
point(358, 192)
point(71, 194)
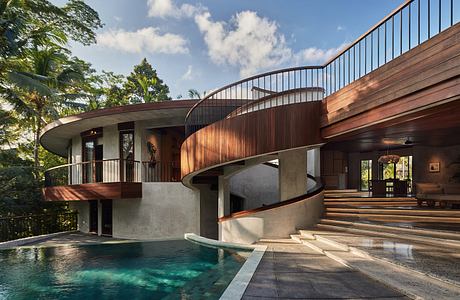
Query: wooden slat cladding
point(252, 134)
point(93, 191)
point(426, 65)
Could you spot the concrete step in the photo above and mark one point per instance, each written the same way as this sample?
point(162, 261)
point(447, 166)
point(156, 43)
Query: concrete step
point(393, 217)
point(394, 229)
point(404, 236)
point(394, 211)
point(370, 199)
point(368, 204)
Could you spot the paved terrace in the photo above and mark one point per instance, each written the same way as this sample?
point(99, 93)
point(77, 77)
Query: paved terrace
point(290, 270)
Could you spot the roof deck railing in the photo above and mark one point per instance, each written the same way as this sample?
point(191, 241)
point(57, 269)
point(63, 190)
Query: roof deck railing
point(409, 25)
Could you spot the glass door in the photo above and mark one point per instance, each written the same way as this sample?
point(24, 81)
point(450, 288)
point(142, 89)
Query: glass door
point(403, 170)
point(366, 174)
point(127, 156)
point(89, 155)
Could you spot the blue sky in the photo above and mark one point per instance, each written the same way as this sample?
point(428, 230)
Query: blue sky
point(210, 43)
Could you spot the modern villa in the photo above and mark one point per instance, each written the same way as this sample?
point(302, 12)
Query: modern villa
point(367, 142)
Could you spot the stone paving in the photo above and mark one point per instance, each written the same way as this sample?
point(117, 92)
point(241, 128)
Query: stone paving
point(440, 260)
point(290, 270)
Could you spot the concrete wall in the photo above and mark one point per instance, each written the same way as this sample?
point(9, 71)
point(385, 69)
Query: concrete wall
point(167, 210)
point(208, 212)
point(273, 223)
point(292, 173)
point(258, 185)
point(83, 214)
point(110, 142)
point(444, 155)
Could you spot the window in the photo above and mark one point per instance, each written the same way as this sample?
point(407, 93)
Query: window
point(366, 174)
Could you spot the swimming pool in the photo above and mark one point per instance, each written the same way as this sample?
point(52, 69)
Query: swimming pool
point(143, 270)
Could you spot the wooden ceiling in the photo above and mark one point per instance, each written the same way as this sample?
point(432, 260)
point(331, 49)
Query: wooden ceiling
point(437, 126)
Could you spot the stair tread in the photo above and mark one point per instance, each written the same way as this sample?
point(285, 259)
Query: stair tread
point(412, 230)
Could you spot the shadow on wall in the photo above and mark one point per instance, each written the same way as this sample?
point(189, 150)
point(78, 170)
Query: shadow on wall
point(278, 222)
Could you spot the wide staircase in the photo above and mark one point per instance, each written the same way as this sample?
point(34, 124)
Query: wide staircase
point(412, 249)
point(351, 208)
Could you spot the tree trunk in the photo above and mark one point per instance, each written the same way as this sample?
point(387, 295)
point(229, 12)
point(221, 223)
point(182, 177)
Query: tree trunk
point(38, 129)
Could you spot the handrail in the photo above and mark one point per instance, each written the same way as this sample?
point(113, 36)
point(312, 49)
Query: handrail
point(112, 170)
point(318, 188)
point(90, 162)
point(249, 79)
point(403, 29)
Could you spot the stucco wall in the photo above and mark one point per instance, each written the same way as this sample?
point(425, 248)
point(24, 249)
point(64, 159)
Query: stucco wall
point(167, 210)
point(83, 214)
point(257, 184)
point(274, 223)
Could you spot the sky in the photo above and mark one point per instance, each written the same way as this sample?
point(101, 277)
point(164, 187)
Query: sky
point(210, 43)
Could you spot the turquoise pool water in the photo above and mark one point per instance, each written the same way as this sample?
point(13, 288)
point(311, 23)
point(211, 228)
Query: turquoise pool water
point(144, 270)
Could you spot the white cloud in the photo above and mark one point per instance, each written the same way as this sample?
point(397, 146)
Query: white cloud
point(315, 55)
point(146, 39)
point(166, 8)
point(188, 75)
point(340, 28)
point(249, 42)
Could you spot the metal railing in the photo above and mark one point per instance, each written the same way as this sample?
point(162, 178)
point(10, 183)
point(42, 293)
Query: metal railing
point(12, 228)
point(112, 170)
point(161, 171)
point(409, 25)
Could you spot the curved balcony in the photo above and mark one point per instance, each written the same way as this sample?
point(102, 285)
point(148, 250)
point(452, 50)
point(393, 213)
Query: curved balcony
point(105, 179)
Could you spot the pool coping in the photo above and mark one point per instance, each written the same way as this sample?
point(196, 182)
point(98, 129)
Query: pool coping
point(31, 239)
point(237, 287)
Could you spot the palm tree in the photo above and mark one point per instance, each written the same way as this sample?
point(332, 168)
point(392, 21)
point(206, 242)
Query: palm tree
point(192, 93)
point(42, 87)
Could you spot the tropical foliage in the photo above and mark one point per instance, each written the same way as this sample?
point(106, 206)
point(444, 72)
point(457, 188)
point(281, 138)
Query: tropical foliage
point(40, 81)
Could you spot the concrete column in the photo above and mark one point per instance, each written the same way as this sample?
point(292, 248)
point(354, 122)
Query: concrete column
point(292, 173)
point(223, 200)
point(99, 217)
point(313, 162)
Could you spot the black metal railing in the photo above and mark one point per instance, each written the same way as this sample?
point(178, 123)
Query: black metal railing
point(107, 170)
point(160, 171)
point(112, 170)
point(12, 228)
point(409, 25)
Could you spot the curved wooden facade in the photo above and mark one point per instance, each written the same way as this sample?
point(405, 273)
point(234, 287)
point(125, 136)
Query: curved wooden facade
point(424, 77)
point(249, 135)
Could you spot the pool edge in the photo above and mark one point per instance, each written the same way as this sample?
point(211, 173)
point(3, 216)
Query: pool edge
point(239, 283)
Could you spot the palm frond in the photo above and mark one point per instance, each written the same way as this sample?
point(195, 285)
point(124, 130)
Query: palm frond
point(24, 81)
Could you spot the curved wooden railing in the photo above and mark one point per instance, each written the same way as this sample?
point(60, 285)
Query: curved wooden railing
point(409, 25)
point(318, 188)
point(112, 170)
